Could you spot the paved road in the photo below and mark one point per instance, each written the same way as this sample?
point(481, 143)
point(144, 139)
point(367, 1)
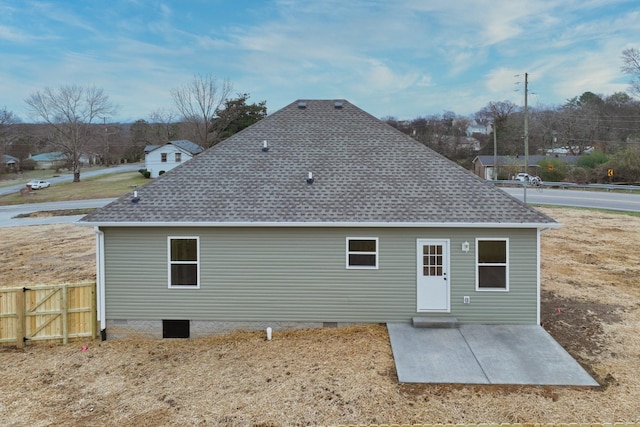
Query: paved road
point(8, 213)
point(69, 177)
point(579, 198)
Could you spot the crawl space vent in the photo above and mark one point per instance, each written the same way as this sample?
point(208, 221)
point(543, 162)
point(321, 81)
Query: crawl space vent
point(175, 329)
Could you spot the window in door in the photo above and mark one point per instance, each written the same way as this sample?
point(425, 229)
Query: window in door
point(432, 260)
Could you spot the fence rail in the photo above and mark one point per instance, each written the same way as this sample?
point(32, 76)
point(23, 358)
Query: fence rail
point(47, 312)
point(566, 185)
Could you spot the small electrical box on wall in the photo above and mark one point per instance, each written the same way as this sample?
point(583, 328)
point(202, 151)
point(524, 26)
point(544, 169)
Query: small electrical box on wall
point(466, 300)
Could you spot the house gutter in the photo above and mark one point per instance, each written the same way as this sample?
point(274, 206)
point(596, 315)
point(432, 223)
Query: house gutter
point(100, 276)
point(547, 228)
point(540, 226)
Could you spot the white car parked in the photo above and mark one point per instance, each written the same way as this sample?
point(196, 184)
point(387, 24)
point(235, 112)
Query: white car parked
point(525, 177)
point(37, 184)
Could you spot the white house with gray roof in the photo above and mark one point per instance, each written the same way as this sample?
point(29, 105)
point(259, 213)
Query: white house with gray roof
point(159, 159)
point(318, 214)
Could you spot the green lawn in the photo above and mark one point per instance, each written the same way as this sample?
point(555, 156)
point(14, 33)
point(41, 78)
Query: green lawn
point(99, 187)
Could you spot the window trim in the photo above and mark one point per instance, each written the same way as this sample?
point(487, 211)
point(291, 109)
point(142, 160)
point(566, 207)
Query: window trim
point(500, 264)
point(196, 262)
point(362, 267)
point(178, 157)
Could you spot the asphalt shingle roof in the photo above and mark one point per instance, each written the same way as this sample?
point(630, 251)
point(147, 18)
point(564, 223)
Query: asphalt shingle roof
point(9, 159)
point(364, 171)
point(187, 146)
point(184, 144)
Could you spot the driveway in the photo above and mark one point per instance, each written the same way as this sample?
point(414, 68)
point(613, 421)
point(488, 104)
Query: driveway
point(483, 354)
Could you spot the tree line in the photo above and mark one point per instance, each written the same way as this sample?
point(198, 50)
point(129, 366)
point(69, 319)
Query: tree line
point(607, 128)
point(74, 120)
point(603, 128)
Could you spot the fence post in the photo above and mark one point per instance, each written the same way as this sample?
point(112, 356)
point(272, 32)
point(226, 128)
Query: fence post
point(64, 290)
point(20, 319)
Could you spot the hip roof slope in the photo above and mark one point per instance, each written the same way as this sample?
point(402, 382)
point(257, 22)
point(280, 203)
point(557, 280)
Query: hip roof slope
point(364, 171)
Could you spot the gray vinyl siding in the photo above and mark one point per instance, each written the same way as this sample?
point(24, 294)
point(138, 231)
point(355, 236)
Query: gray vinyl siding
point(299, 274)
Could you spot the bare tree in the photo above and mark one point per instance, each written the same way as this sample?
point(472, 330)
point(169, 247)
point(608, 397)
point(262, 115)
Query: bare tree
point(198, 102)
point(7, 119)
point(631, 65)
point(164, 125)
point(495, 112)
point(107, 146)
point(70, 112)
point(501, 115)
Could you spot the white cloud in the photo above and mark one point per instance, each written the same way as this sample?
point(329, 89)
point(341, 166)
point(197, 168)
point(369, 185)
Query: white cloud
point(165, 11)
point(392, 57)
point(63, 15)
point(502, 80)
point(12, 35)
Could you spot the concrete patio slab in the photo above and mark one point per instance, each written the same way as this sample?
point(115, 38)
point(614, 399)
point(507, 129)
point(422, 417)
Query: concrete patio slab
point(483, 354)
point(436, 355)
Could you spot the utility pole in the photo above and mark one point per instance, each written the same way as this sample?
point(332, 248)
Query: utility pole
point(495, 151)
point(526, 134)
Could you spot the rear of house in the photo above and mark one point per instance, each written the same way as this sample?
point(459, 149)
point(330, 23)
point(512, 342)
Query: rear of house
point(319, 214)
point(320, 275)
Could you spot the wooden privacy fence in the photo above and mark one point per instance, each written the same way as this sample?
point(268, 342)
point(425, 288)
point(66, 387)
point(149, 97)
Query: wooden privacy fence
point(47, 312)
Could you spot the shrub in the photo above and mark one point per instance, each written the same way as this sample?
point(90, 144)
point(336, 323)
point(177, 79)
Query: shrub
point(147, 174)
point(593, 159)
point(28, 165)
point(579, 175)
point(160, 173)
point(553, 169)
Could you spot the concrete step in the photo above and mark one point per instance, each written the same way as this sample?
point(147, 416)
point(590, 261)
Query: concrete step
point(435, 322)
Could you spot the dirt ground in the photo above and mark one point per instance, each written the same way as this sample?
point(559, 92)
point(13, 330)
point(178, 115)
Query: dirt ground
point(590, 304)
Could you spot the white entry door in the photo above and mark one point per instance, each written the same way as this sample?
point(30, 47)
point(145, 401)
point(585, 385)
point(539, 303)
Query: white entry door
point(433, 275)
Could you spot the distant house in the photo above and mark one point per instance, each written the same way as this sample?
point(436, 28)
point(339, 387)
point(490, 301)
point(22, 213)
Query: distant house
point(52, 160)
point(568, 151)
point(468, 143)
point(163, 158)
point(9, 162)
point(319, 214)
point(483, 166)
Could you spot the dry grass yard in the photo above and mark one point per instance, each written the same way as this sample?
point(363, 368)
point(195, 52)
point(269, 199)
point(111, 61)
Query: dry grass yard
point(591, 305)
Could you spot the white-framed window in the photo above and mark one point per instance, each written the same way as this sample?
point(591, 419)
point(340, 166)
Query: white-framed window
point(492, 264)
point(184, 262)
point(163, 157)
point(362, 252)
point(178, 157)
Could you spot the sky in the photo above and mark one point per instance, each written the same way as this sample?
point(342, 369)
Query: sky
point(398, 58)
